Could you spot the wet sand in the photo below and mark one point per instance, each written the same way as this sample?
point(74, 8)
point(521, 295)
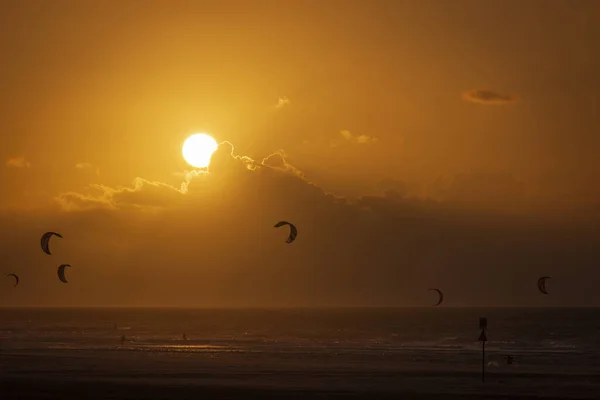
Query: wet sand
point(40, 388)
point(56, 375)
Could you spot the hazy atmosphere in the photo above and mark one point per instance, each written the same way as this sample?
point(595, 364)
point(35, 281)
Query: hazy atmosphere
point(414, 144)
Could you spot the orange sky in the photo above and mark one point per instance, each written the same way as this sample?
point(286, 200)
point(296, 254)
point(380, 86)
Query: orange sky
point(414, 143)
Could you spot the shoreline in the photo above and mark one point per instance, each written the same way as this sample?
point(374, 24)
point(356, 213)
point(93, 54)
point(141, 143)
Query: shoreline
point(291, 308)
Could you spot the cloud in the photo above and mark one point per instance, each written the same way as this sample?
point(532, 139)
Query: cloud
point(225, 166)
point(282, 102)
point(18, 162)
point(209, 241)
point(348, 137)
point(393, 187)
point(277, 160)
point(484, 96)
point(144, 194)
point(73, 201)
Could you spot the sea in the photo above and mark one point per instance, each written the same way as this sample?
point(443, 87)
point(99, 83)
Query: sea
point(543, 352)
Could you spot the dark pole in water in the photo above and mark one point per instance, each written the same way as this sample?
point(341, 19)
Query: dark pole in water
point(482, 339)
point(483, 361)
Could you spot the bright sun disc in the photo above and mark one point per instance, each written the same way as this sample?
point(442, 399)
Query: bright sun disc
point(198, 148)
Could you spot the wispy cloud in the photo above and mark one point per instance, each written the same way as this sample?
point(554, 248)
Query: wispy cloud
point(282, 102)
point(485, 96)
point(348, 137)
point(18, 162)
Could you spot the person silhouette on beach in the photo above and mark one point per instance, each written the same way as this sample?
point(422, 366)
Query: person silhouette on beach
point(123, 339)
point(184, 336)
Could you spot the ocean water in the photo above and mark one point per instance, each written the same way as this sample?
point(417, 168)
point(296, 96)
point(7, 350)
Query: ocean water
point(416, 349)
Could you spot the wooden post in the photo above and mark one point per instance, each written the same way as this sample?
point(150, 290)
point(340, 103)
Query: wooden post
point(483, 360)
point(482, 339)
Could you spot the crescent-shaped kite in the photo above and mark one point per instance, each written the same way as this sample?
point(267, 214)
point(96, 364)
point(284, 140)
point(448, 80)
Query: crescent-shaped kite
point(16, 278)
point(440, 294)
point(541, 284)
point(293, 230)
point(61, 272)
point(46, 241)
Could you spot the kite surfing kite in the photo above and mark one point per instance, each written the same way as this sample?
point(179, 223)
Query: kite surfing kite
point(441, 296)
point(61, 272)
point(46, 241)
point(541, 283)
point(16, 278)
point(293, 230)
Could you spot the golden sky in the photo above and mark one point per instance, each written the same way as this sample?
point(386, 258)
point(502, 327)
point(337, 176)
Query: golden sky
point(414, 144)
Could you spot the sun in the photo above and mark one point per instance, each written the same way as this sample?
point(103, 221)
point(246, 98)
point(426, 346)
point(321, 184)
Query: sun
point(197, 150)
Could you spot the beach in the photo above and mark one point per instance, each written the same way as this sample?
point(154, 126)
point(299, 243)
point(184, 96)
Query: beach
point(296, 354)
point(296, 384)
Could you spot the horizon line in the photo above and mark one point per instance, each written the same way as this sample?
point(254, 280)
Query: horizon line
point(281, 307)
